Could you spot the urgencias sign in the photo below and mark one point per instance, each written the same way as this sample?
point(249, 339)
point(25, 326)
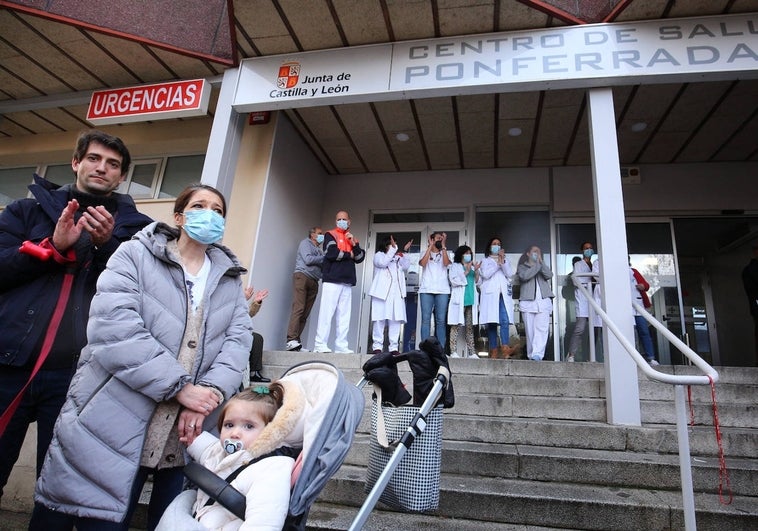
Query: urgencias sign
point(176, 99)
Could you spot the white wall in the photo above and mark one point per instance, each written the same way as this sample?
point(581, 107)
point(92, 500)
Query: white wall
point(292, 203)
point(667, 189)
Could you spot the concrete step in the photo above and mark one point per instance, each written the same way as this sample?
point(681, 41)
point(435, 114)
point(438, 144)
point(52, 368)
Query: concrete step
point(332, 517)
point(654, 438)
point(726, 392)
point(279, 360)
point(564, 391)
point(596, 435)
point(554, 504)
point(579, 465)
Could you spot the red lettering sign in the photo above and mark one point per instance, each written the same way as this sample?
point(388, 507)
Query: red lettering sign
point(149, 102)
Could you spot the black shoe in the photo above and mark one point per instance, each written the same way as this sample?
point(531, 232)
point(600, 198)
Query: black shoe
point(257, 377)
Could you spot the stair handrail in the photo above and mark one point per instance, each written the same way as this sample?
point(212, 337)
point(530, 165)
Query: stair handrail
point(709, 373)
point(679, 381)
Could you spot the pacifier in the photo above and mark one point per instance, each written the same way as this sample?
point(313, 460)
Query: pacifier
point(232, 446)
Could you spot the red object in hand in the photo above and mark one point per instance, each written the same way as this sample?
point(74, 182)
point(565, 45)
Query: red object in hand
point(40, 251)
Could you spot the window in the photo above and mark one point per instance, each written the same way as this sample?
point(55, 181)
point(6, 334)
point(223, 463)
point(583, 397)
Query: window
point(14, 182)
point(157, 178)
point(180, 171)
point(59, 173)
point(142, 179)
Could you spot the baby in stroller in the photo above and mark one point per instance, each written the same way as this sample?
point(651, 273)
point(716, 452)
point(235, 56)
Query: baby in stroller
point(313, 412)
point(250, 457)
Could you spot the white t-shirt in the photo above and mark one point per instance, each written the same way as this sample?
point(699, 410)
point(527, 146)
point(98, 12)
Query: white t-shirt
point(434, 275)
point(196, 283)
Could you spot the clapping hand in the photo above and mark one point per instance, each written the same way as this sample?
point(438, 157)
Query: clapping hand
point(257, 296)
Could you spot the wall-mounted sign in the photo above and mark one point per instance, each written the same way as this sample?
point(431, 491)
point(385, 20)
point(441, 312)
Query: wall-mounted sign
point(591, 55)
point(176, 99)
point(259, 117)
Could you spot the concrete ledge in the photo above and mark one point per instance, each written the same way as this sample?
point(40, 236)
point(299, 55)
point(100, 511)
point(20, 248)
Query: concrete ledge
point(554, 504)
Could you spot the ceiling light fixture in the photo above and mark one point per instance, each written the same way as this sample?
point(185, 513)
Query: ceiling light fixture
point(402, 137)
point(638, 127)
point(514, 131)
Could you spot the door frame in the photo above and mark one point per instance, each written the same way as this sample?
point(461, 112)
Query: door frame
point(425, 228)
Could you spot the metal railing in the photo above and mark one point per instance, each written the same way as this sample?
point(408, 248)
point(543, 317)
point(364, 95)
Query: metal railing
point(678, 381)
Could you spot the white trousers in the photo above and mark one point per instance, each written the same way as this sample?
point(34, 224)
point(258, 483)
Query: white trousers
point(537, 327)
point(393, 334)
point(336, 302)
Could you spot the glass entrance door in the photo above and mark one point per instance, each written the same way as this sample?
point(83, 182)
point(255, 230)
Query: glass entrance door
point(651, 252)
point(418, 233)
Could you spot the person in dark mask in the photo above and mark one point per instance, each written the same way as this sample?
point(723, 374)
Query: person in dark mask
point(434, 291)
point(53, 248)
point(168, 341)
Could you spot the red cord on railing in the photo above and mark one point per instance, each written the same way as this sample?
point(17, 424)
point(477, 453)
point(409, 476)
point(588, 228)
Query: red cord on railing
point(723, 472)
point(689, 402)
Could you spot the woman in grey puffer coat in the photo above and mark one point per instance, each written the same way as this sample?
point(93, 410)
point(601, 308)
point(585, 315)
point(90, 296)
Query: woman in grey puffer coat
point(168, 339)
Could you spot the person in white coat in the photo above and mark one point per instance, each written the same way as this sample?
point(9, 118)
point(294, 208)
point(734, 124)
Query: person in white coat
point(387, 293)
point(583, 266)
point(535, 301)
point(463, 310)
point(496, 300)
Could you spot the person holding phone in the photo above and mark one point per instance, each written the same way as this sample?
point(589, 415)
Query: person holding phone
point(434, 291)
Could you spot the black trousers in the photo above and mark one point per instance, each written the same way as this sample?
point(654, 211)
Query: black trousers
point(256, 353)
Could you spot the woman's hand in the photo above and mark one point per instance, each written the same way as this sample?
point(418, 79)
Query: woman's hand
point(190, 425)
point(197, 398)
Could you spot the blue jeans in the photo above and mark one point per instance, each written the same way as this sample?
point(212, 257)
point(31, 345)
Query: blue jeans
point(167, 484)
point(42, 402)
point(437, 303)
point(504, 325)
point(643, 330)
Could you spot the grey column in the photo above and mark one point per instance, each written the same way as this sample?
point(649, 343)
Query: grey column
point(621, 385)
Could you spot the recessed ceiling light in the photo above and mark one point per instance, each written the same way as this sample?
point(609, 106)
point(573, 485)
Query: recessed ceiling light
point(514, 131)
point(402, 137)
point(638, 127)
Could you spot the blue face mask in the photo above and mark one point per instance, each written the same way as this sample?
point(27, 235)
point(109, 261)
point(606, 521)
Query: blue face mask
point(204, 226)
point(494, 249)
point(467, 258)
point(535, 257)
point(319, 238)
point(342, 224)
point(588, 253)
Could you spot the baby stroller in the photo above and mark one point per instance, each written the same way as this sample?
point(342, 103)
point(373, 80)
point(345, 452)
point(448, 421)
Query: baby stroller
point(325, 432)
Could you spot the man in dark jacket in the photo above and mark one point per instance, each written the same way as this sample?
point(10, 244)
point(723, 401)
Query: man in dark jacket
point(52, 249)
point(341, 253)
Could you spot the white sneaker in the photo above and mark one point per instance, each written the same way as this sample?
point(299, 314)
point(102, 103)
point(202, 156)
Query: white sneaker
point(322, 350)
point(473, 355)
point(570, 358)
point(344, 352)
point(293, 344)
point(455, 355)
point(653, 363)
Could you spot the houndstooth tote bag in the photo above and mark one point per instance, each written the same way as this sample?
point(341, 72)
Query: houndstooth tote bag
point(415, 484)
